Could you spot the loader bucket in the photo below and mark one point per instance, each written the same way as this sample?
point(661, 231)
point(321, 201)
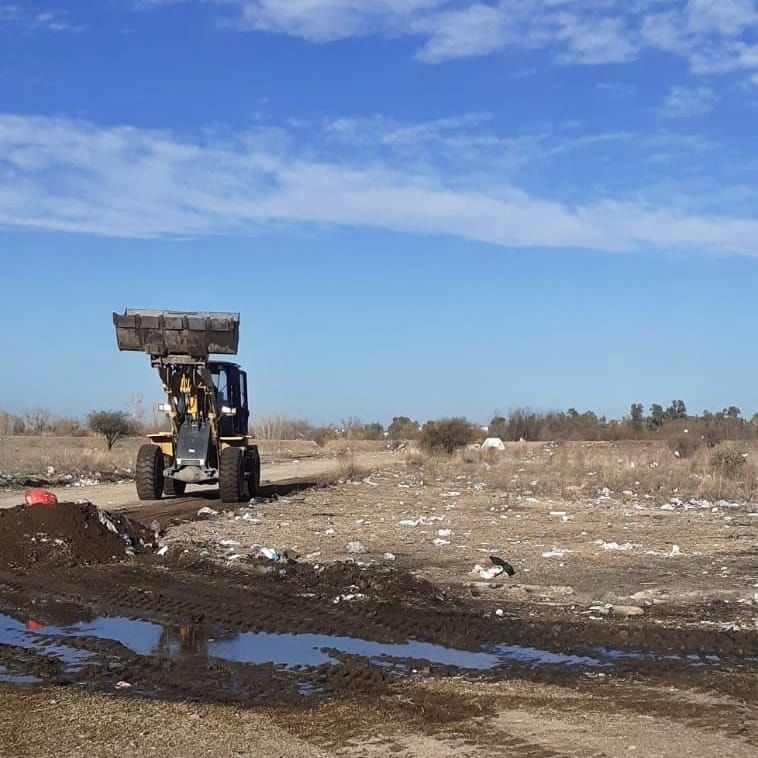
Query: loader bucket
point(195, 334)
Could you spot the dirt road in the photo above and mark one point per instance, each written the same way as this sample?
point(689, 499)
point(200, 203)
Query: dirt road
point(307, 470)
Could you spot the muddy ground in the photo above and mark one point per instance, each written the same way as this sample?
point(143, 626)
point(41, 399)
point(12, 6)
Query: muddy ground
point(377, 640)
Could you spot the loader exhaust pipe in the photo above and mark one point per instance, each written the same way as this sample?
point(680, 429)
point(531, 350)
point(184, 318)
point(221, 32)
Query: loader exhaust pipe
point(188, 334)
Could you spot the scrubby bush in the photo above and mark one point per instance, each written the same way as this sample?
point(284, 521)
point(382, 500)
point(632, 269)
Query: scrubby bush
point(403, 428)
point(685, 445)
point(728, 460)
point(446, 435)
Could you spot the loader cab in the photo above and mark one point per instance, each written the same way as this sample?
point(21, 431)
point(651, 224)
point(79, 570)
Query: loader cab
point(231, 394)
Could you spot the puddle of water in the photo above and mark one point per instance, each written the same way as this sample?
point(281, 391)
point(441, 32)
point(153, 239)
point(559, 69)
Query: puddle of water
point(13, 632)
point(290, 650)
point(9, 678)
point(314, 650)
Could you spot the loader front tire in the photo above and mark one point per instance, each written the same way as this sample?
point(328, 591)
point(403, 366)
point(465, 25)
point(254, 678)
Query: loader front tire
point(232, 483)
point(149, 472)
point(254, 473)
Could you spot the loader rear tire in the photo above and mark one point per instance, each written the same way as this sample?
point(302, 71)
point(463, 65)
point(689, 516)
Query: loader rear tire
point(232, 482)
point(149, 472)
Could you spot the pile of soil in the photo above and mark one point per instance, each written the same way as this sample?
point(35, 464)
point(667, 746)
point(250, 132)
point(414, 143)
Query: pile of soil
point(67, 534)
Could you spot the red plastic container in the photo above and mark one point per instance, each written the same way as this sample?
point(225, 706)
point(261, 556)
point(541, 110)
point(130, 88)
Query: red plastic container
point(39, 496)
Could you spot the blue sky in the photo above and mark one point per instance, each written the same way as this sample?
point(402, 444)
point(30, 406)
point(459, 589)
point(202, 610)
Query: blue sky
point(425, 207)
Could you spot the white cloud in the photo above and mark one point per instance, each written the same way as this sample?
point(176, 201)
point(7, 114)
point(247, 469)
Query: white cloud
point(709, 34)
point(686, 102)
point(74, 176)
point(51, 20)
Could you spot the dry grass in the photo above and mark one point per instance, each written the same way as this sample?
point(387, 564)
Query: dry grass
point(581, 469)
point(74, 455)
point(348, 469)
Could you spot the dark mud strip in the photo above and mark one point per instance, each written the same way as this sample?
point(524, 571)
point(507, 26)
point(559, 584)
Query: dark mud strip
point(273, 633)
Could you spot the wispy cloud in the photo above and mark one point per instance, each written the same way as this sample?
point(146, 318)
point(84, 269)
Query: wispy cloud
point(714, 36)
point(50, 20)
point(61, 174)
point(686, 102)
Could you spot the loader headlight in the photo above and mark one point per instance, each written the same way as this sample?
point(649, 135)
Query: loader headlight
point(227, 411)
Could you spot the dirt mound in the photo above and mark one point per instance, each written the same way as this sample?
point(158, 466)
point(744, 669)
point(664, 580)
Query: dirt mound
point(67, 534)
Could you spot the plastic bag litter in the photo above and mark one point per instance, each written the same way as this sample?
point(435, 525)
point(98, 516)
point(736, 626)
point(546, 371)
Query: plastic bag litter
point(487, 573)
point(268, 552)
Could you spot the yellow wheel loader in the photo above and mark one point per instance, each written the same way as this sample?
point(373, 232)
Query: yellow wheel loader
point(206, 403)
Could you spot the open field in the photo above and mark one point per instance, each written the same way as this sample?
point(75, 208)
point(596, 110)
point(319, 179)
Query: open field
point(629, 627)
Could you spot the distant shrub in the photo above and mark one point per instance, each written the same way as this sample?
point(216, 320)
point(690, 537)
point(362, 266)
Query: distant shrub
point(111, 425)
point(322, 434)
point(446, 435)
point(729, 460)
point(713, 437)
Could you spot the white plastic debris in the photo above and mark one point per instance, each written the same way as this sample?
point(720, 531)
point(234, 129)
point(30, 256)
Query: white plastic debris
point(122, 685)
point(487, 573)
point(163, 550)
point(268, 552)
point(439, 542)
point(106, 522)
point(675, 550)
point(615, 545)
point(330, 532)
point(389, 556)
point(556, 552)
point(229, 543)
point(421, 520)
point(627, 610)
point(355, 546)
point(444, 532)
point(500, 613)
point(206, 511)
point(558, 514)
point(50, 470)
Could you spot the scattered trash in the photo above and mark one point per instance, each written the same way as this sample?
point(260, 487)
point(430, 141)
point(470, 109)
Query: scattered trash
point(122, 685)
point(615, 545)
point(355, 546)
point(487, 573)
point(229, 543)
point(556, 552)
point(496, 560)
point(38, 496)
point(439, 542)
point(444, 532)
point(500, 613)
point(627, 610)
point(163, 550)
point(330, 532)
point(207, 512)
point(422, 520)
point(389, 556)
point(269, 553)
